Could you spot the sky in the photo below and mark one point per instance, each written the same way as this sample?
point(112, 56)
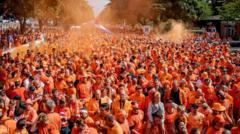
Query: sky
point(98, 5)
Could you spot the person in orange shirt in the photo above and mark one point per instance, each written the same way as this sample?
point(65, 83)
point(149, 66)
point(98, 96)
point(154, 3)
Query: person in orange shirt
point(167, 90)
point(99, 118)
point(217, 125)
point(93, 104)
point(196, 119)
point(219, 109)
point(18, 91)
point(170, 116)
point(206, 110)
point(122, 103)
point(135, 119)
point(62, 107)
point(82, 128)
point(30, 114)
point(165, 76)
point(132, 86)
point(139, 97)
point(228, 104)
point(3, 75)
point(195, 97)
point(121, 117)
point(60, 84)
point(71, 89)
point(208, 91)
point(42, 103)
point(34, 96)
point(3, 127)
point(74, 106)
point(53, 117)
point(82, 90)
point(183, 86)
point(49, 82)
point(44, 126)
point(21, 127)
point(87, 119)
point(113, 126)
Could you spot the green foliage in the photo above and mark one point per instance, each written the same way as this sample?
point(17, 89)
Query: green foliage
point(134, 11)
point(230, 10)
point(61, 11)
point(203, 9)
point(20, 9)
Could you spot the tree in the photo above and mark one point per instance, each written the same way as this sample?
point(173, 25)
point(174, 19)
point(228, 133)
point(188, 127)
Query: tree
point(130, 11)
point(20, 10)
point(216, 4)
point(186, 10)
point(45, 10)
point(134, 11)
point(230, 10)
point(204, 9)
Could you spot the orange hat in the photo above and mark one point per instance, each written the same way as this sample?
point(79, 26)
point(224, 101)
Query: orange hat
point(218, 107)
point(219, 119)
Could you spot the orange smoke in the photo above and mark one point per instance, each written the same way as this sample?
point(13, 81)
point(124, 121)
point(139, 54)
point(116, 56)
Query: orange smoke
point(177, 32)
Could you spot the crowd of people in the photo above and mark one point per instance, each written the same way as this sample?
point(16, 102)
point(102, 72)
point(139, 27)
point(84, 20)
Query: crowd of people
point(12, 38)
point(129, 83)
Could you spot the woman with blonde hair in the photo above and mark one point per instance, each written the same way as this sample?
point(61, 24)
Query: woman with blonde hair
point(155, 107)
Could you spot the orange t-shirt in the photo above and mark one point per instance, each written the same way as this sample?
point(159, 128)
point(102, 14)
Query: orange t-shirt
point(214, 131)
point(139, 98)
point(11, 125)
point(55, 119)
point(136, 121)
point(116, 129)
point(4, 129)
point(196, 121)
point(50, 128)
point(88, 130)
point(61, 85)
point(169, 121)
point(71, 90)
point(125, 127)
point(92, 106)
point(23, 131)
point(18, 92)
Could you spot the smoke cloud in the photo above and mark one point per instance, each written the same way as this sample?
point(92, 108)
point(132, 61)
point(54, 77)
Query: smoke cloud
point(172, 31)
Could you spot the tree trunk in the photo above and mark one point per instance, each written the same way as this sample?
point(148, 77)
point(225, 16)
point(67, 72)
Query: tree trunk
point(22, 25)
point(40, 22)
